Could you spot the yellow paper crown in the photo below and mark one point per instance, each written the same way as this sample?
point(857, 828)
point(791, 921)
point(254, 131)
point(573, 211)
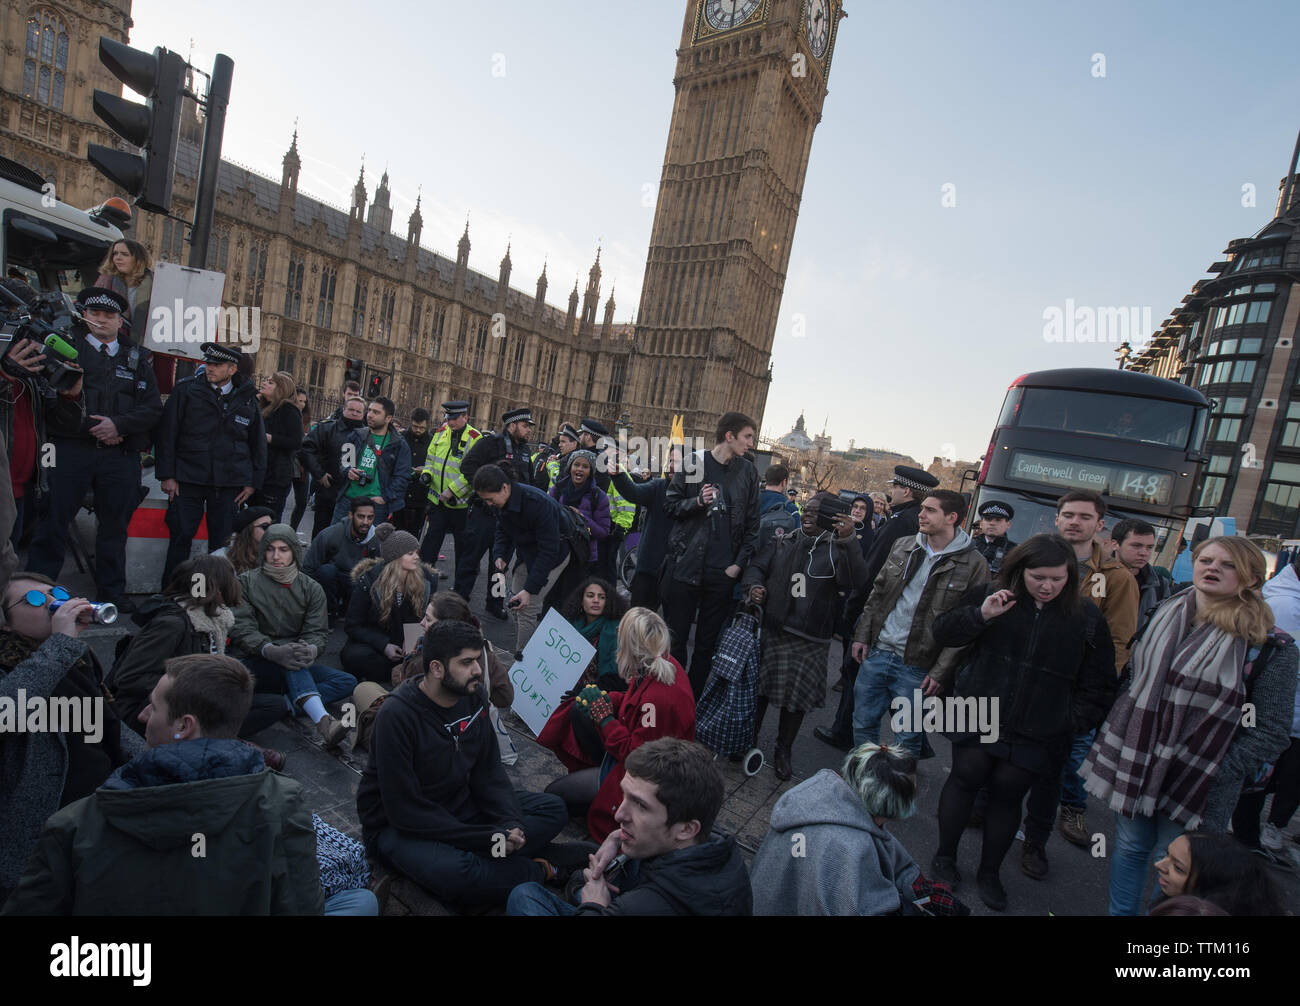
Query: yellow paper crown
point(678, 436)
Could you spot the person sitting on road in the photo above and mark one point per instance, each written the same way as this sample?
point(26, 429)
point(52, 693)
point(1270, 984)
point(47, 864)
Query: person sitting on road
point(244, 549)
point(195, 825)
point(1221, 870)
point(435, 801)
point(281, 628)
point(595, 609)
point(195, 614)
point(335, 552)
point(444, 606)
point(656, 701)
point(390, 592)
point(671, 794)
point(42, 659)
point(848, 862)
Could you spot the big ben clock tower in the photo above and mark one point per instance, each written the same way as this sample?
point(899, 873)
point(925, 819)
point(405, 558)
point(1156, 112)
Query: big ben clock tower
point(751, 79)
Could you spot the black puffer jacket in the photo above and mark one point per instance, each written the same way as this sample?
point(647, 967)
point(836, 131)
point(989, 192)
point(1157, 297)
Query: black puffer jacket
point(165, 632)
point(803, 575)
point(1053, 675)
point(321, 453)
point(688, 542)
point(285, 427)
point(206, 443)
point(363, 624)
point(705, 879)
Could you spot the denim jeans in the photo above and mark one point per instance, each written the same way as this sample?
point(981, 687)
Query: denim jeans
point(1072, 793)
point(331, 685)
point(534, 899)
point(882, 678)
point(356, 902)
point(467, 878)
point(1139, 841)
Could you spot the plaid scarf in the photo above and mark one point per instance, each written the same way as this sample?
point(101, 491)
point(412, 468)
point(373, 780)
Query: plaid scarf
point(1165, 737)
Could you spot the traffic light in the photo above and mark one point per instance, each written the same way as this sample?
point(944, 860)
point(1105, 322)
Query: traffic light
point(153, 126)
point(352, 370)
point(376, 386)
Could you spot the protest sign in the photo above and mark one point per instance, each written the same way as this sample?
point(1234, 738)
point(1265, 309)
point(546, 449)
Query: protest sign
point(554, 659)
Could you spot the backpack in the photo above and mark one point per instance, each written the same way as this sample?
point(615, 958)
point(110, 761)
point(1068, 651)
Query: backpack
point(776, 522)
point(574, 530)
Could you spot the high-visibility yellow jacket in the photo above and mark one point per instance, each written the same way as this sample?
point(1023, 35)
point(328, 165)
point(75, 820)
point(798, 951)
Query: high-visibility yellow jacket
point(621, 511)
point(442, 464)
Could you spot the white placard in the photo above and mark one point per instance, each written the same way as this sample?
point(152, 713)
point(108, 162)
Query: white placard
point(554, 660)
point(185, 311)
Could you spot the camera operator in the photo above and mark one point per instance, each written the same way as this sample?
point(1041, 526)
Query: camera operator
point(98, 427)
point(22, 414)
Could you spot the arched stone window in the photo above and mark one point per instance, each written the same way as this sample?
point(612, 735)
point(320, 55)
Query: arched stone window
point(45, 62)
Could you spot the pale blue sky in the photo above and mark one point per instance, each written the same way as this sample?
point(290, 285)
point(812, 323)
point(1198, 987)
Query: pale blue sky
point(1112, 191)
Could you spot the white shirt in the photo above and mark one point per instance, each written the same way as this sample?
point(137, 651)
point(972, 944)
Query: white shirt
point(96, 344)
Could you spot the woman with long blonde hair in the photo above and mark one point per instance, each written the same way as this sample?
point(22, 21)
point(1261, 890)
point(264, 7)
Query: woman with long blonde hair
point(127, 269)
point(387, 594)
point(595, 731)
point(1208, 707)
point(283, 424)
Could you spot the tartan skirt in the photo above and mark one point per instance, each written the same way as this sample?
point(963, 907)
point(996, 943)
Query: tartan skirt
point(793, 674)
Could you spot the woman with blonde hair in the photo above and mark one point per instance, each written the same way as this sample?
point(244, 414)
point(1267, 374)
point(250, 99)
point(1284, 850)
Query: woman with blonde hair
point(127, 269)
point(1176, 749)
point(283, 424)
point(387, 593)
point(657, 702)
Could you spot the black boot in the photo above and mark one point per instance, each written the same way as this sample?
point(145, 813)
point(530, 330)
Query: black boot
point(786, 731)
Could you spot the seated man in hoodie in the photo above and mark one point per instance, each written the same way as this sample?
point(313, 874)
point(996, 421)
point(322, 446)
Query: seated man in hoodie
point(846, 861)
point(435, 801)
point(672, 792)
point(280, 629)
point(43, 662)
point(196, 825)
point(336, 550)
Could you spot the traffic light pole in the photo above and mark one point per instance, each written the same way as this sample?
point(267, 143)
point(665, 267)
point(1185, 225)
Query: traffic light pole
point(223, 70)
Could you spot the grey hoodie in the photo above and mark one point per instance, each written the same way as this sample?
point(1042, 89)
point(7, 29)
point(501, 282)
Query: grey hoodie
point(898, 623)
point(824, 855)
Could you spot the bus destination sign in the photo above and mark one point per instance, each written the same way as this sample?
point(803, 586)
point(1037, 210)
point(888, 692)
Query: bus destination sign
point(1145, 485)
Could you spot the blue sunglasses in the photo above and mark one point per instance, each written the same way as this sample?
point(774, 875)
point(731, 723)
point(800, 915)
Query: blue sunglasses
point(39, 598)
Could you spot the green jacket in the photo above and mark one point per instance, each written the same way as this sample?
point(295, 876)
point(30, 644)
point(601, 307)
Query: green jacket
point(273, 612)
point(199, 827)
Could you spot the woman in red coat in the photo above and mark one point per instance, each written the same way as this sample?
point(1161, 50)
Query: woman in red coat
point(658, 703)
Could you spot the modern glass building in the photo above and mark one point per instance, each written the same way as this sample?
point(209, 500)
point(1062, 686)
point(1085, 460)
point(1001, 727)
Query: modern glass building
point(1233, 338)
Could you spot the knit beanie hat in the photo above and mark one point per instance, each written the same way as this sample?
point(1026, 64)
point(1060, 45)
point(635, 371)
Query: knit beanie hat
point(394, 544)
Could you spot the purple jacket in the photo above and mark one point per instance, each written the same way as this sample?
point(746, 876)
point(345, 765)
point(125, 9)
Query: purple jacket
point(594, 507)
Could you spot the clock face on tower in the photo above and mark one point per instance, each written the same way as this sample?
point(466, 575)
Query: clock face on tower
point(723, 15)
point(818, 26)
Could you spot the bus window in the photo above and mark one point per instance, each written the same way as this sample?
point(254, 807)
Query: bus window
point(1142, 420)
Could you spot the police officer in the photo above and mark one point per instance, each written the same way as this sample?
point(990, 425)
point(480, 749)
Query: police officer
point(509, 450)
point(447, 490)
point(567, 443)
point(992, 541)
point(211, 452)
point(594, 436)
point(98, 429)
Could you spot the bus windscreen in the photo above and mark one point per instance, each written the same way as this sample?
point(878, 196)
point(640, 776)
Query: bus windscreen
point(1097, 414)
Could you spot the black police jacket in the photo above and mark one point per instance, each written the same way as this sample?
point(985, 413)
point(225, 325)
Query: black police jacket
point(121, 387)
point(210, 441)
point(516, 460)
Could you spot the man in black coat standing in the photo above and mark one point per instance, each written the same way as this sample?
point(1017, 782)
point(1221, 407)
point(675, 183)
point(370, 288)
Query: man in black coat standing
point(411, 517)
point(321, 455)
point(98, 429)
point(511, 451)
point(211, 451)
point(906, 491)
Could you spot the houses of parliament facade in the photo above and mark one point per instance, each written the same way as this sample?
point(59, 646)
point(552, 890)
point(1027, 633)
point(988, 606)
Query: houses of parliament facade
point(750, 82)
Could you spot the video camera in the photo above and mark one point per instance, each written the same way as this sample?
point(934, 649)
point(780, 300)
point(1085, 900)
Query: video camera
point(48, 320)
